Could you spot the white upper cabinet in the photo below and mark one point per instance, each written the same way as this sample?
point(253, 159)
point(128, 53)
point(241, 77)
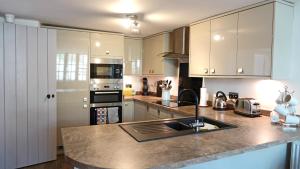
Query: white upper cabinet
point(223, 45)
point(106, 45)
point(133, 56)
point(199, 49)
point(255, 41)
point(248, 42)
point(153, 62)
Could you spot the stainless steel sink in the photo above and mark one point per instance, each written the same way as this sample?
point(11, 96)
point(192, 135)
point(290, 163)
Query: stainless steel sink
point(146, 131)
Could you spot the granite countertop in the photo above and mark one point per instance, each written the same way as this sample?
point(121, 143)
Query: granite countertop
point(108, 146)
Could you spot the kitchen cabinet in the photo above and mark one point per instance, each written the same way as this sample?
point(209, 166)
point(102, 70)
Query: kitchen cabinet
point(133, 56)
point(152, 113)
point(164, 114)
point(28, 131)
point(223, 45)
point(128, 111)
point(72, 63)
point(107, 45)
point(153, 49)
point(254, 57)
point(140, 111)
point(248, 42)
point(199, 49)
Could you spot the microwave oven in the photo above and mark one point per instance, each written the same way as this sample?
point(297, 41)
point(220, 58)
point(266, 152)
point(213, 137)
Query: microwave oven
point(106, 69)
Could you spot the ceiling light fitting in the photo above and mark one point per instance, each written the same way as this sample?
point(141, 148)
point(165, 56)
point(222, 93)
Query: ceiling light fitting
point(132, 24)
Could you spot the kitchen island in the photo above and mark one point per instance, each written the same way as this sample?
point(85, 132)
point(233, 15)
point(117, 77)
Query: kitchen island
point(108, 146)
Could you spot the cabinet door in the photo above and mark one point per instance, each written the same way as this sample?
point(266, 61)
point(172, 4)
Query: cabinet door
point(52, 108)
point(223, 45)
point(140, 110)
point(163, 114)
point(2, 113)
point(72, 73)
point(104, 45)
point(154, 47)
point(133, 56)
point(199, 49)
point(152, 113)
point(128, 111)
point(255, 41)
point(147, 53)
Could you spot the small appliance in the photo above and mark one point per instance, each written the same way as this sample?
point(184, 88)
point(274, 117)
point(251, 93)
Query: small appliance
point(219, 102)
point(145, 87)
point(158, 88)
point(106, 68)
point(247, 107)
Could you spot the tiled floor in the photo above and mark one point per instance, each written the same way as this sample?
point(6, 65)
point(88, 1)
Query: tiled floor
point(57, 164)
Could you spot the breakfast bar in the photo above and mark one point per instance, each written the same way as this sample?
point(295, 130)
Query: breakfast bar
point(108, 146)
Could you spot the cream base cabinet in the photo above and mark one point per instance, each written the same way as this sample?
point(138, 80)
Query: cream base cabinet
point(133, 56)
point(128, 111)
point(28, 114)
point(107, 45)
point(140, 111)
point(199, 49)
point(254, 52)
point(153, 62)
point(73, 48)
point(223, 45)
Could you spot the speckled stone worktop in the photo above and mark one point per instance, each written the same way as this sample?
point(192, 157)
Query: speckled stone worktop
point(108, 146)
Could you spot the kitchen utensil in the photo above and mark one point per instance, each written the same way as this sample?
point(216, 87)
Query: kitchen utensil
point(247, 107)
point(220, 101)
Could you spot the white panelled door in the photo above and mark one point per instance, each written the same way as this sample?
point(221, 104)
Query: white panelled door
point(27, 95)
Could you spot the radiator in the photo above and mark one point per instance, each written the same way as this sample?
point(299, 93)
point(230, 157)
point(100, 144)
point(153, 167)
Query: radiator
point(295, 155)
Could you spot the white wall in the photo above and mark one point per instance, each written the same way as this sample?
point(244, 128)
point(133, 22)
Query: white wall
point(137, 83)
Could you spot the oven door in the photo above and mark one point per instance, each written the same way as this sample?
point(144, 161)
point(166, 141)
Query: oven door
point(102, 113)
point(106, 96)
point(106, 71)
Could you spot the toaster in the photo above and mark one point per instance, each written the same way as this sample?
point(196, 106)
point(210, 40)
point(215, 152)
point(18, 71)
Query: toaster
point(247, 107)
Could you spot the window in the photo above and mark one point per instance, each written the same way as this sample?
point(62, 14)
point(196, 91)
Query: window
point(70, 66)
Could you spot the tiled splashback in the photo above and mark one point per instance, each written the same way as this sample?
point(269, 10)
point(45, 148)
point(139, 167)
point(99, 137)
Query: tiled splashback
point(137, 83)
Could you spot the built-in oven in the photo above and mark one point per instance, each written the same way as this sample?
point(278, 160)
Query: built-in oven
point(105, 101)
point(106, 68)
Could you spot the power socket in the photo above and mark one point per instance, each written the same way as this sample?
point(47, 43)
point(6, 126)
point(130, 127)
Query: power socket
point(233, 95)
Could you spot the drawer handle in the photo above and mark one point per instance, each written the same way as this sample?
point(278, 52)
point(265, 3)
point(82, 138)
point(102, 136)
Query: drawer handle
point(212, 70)
point(107, 52)
point(205, 70)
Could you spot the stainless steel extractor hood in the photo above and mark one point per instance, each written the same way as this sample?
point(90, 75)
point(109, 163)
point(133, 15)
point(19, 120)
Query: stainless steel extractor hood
point(179, 43)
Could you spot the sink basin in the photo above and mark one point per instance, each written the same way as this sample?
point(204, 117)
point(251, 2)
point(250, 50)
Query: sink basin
point(177, 125)
point(146, 131)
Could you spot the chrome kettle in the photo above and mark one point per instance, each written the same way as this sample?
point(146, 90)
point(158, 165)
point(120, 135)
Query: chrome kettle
point(220, 101)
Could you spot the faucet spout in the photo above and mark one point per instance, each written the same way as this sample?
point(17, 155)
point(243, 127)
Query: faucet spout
point(197, 123)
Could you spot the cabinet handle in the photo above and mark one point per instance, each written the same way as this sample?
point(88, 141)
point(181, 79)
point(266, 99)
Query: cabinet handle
point(107, 52)
point(240, 70)
point(212, 70)
point(205, 70)
point(53, 95)
point(152, 71)
point(48, 96)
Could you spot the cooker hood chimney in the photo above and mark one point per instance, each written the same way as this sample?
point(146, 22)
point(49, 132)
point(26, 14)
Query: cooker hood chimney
point(179, 44)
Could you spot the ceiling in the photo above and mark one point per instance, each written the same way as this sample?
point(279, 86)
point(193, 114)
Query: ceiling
point(108, 15)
